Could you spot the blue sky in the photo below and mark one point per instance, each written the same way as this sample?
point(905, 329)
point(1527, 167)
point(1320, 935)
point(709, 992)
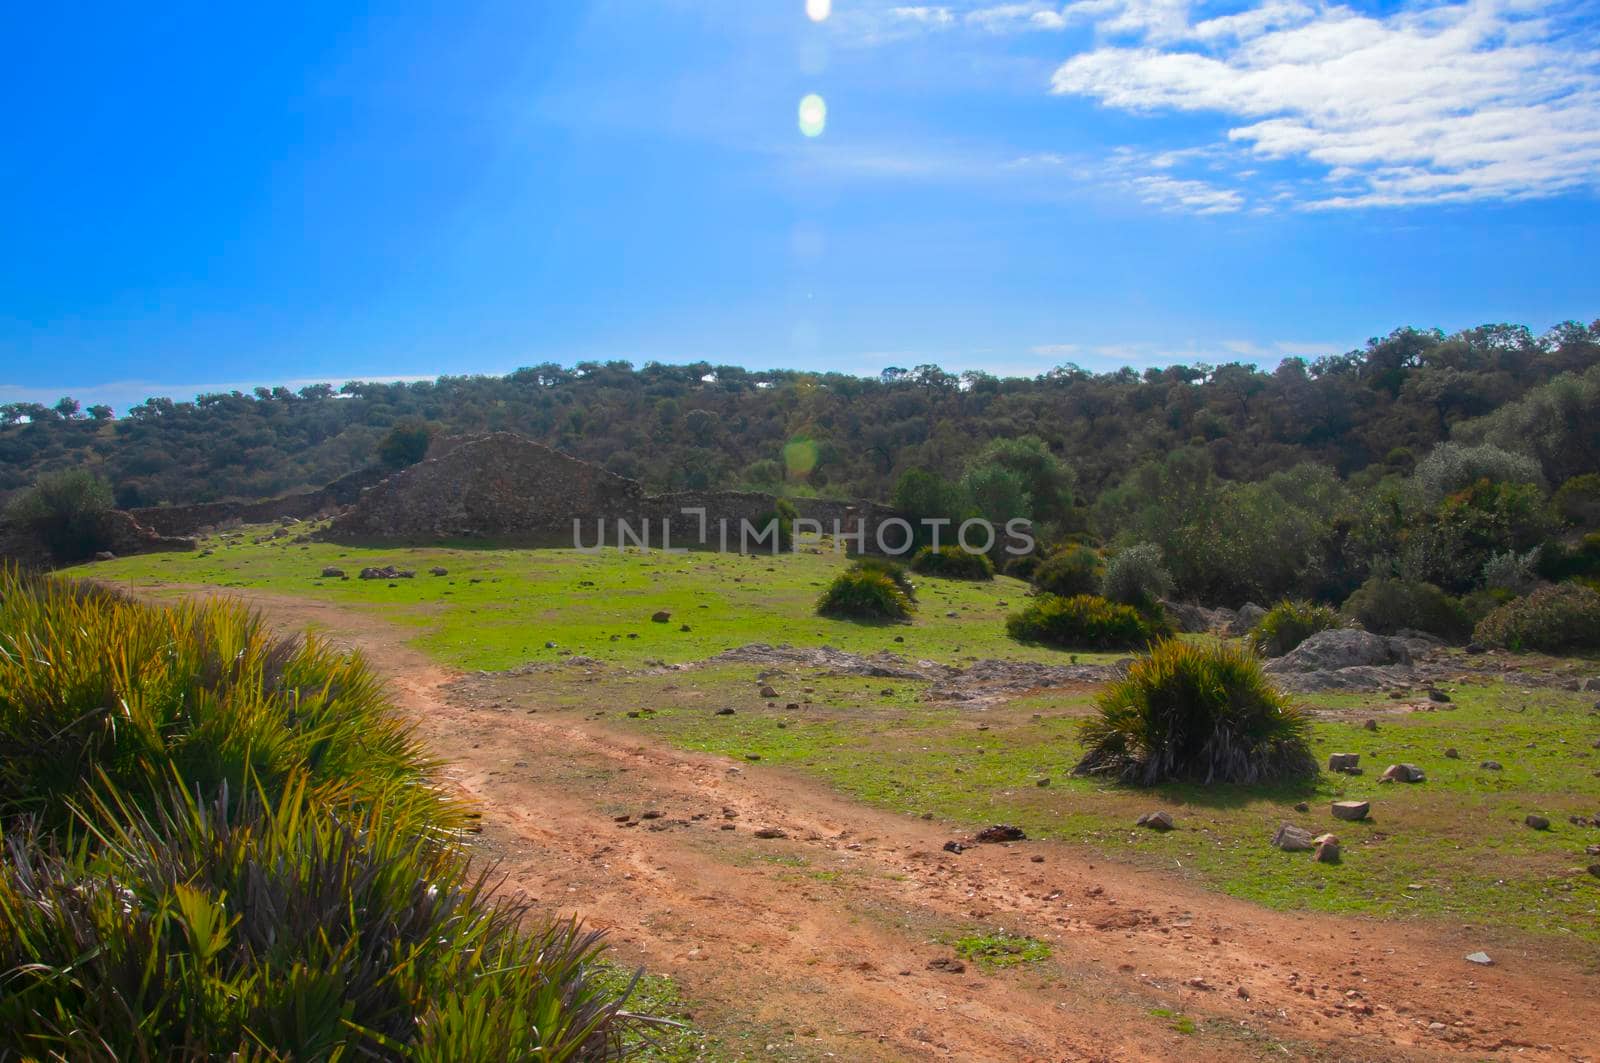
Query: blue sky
point(196, 198)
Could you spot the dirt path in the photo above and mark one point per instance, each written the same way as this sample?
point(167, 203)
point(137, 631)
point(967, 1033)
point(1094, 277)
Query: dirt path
point(824, 937)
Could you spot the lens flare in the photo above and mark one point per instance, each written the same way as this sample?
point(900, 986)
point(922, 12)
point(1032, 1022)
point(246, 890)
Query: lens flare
point(813, 115)
point(818, 10)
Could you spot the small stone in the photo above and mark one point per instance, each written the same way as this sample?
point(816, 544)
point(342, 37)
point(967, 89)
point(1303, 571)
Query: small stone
point(1491, 765)
point(1343, 761)
point(1242, 993)
point(1292, 839)
point(768, 692)
point(683, 627)
point(1302, 807)
point(1042, 782)
point(437, 570)
point(549, 645)
point(661, 616)
point(1000, 832)
point(1371, 725)
point(1452, 754)
point(1402, 773)
point(332, 573)
point(948, 965)
point(1327, 851)
point(1351, 810)
point(770, 832)
point(1476, 648)
point(1480, 958)
point(1160, 820)
point(1536, 821)
point(1438, 696)
point(724, 712)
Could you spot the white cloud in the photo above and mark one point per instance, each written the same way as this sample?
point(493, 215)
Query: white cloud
point(1194, 197)
point(1482, 100)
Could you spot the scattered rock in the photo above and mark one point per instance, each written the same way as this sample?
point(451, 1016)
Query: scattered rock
point(768, 692)
point(1438, 696)
point(437, 570)
point(1536, 821)
point(1491, 765)
point(105, 555)
point(1402, 773)
point(1301, 806)
point(1480, 958)
point(1000, 832)
point(1242, 993)
point(683, 627)
point(1370, 725)
point(1343, 761)
point(332, 573)
point(550, 645)
point(1351, 810)
point(1452, 754)
point(947, 964)
point(1292, 839)
point(1339, 648)
point(661, 616)
point(386, 572)
point(1248, 616)
point(1160, 820)
point(724, 712)
point(1327, 851)
point(770, 832)
point(955, 847)
point(1042, 782)
point(1476, 648)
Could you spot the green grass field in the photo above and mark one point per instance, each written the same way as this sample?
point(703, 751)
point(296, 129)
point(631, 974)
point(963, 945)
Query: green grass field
point(1454, 848)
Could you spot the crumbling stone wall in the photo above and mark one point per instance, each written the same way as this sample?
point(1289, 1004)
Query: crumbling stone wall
point(188, 520)
point(121, 535)
point(505, 488)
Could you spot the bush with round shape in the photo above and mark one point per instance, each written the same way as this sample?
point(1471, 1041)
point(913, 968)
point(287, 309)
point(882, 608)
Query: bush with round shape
point(1023, 567)
point(1578, 500)
point(863, 594)
point(1563, 618)
point(1135, 576)
point(1289, 623)
point(1386, 606)
point(1084, 622)
point(1068, 572)
point(952, 562)
point(64, 512)
point(1203, 713)
point(893, 569)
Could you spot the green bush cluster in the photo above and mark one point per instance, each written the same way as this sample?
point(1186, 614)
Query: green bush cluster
point(65, 512)
point(1564, 618)
point(1136, 576)
point(1196, 713)
point(952, 562)
point(223, 844)
point(1385, 605)
point(868, 590)
point(1070, 571)
point(1289, 623)
point(1084, 622)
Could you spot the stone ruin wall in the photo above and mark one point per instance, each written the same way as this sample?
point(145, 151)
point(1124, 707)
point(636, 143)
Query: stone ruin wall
point(504, 488)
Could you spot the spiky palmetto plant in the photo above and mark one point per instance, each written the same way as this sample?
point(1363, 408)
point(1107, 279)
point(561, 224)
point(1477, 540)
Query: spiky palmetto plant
point(216, 843)
point(1198, 713)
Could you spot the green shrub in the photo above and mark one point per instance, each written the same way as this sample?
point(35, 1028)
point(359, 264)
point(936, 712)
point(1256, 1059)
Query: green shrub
point(1071, 571)
point(784, 513)
point(1290, 623)
point(1557, 561)
point(223, 844)
point(893, 569)
point(65, 513)
point(864, 594)
point(1578, 500)
point(1564, 618)
point(95, 685)
point(1385, 606)
point(952, 562)
point(1023, 567)
point(406, 444)
point(1196, 713)
point(1083, 622)
point(1512, 572)
point(1135, 576)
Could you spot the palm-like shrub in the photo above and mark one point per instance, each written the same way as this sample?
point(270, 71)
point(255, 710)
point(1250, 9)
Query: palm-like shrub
point(1196, 713)
point(1070, 571)
point(97, 686)
point(893, 569)
point(1084, 622)
point(1289, 623)
point(952, 562)
point(222, 844)
point(1564, 618)
point(864, 594)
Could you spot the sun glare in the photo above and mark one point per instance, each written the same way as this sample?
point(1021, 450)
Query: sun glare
point(813, 115)
point(818, 10)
